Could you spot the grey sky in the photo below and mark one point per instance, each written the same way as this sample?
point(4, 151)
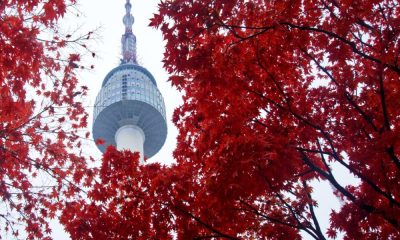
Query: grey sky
point(150, 48)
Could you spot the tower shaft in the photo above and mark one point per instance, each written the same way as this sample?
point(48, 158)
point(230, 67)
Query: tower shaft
point(131, 137)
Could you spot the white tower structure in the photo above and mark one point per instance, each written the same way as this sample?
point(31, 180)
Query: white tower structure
point(129, 111)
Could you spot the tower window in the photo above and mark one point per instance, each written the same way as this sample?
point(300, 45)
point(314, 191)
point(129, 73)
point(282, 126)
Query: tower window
point(124, 89)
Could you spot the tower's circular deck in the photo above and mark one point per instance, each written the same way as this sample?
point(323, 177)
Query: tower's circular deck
point(129, 95)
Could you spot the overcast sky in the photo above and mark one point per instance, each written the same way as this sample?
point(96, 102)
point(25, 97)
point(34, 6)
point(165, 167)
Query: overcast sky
point(150, 48)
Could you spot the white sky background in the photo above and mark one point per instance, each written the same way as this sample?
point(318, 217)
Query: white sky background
point(150, 48)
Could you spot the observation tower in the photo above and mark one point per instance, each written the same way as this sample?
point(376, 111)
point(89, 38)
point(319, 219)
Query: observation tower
point(129, 111)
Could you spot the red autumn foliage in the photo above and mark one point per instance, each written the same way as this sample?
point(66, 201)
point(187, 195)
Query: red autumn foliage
point(40, 118)
point(275, 94)
point(122, 204)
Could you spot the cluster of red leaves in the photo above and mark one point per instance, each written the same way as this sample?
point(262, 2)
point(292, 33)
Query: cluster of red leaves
point(123, 204)
point(132, 201)
point(40, 116)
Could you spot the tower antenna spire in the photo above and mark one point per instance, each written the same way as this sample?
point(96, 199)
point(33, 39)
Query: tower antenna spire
point(128, 39)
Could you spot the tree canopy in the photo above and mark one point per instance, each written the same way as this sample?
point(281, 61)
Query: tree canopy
point(276, 93)
point(41, 116)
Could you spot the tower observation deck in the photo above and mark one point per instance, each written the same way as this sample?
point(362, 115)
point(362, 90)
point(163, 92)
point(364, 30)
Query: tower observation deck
point(129, 110)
